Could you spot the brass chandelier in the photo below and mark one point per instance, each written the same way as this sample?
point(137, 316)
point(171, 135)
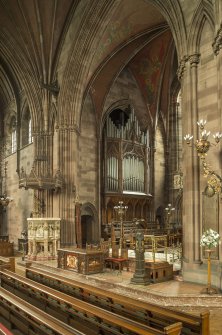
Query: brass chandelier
point(203, 145)
point(121, 211)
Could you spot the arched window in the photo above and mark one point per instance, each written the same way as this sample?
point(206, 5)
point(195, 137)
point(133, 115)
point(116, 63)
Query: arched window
point(26, 129)
point(30, 138)
point(13, 136)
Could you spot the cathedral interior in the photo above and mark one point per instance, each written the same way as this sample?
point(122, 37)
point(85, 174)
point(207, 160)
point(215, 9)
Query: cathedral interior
point(110, 129)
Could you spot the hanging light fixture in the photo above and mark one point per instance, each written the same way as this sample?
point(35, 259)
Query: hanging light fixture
point(121, 211)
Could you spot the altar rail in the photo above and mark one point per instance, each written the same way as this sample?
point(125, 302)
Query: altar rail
point(22, 316)
point(147, 313)
point(173, 237)
point(73, 311)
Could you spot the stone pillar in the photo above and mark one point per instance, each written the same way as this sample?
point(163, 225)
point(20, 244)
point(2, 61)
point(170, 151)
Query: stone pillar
point(217, 46)
point(67, 153)
point(194, 60)
point(187, 73)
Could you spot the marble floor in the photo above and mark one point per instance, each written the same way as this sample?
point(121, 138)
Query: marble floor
point(175, 294)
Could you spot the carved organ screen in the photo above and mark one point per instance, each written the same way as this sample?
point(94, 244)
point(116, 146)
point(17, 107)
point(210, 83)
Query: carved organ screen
point(126, 163)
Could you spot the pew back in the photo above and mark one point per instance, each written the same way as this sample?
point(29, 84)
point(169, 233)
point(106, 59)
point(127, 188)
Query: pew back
point(71, 308)
point(29, 319)
point(7, 263)
point(136, 309)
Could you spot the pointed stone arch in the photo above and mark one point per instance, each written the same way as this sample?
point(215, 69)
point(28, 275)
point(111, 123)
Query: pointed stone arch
point(203, 13)
point(172, 12)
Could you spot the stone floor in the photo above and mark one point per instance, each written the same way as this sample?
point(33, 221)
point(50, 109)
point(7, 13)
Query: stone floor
point(175, 294)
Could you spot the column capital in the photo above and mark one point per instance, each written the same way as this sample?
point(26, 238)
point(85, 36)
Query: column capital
point(194, 59)
point(66, 126)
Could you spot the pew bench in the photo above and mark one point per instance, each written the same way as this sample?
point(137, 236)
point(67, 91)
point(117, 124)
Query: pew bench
point(141, 311)
point(28, 319)
point(7, 263)
point(76, 312)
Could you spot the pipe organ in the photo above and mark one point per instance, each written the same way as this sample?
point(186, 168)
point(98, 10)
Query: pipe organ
point(133, 174)
point(126, 162)
point(126, 156)
point(112, 174)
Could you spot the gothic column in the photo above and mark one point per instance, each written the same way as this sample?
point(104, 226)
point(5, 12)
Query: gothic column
point(67, 153)
point(187, 73)
point(217, 46)
point(194, 60)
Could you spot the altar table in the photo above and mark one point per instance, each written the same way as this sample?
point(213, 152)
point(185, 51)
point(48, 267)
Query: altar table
point(81, 260)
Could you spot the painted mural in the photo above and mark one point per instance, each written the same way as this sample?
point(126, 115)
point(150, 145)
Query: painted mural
point(127, 21)
point(146, 67)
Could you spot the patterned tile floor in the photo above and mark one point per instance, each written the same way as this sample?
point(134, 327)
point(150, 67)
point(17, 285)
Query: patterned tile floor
point(175, 294)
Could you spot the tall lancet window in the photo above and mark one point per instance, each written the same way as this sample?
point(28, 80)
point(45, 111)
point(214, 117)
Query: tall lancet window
point(13, 136)
point(26, 128)
point(125, 153)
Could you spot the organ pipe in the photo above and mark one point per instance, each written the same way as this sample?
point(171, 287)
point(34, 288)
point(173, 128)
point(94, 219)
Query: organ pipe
point(130, 168)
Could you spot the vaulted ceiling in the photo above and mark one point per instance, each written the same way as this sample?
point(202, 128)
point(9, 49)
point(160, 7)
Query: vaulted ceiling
point(37, 32)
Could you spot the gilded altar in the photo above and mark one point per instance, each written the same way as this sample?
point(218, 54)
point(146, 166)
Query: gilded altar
point(43, 238)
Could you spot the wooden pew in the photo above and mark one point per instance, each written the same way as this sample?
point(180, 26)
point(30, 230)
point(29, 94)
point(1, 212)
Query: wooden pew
point(7, 263)
point(6, 248)
point(76, 312)
point(4, 330)
point(30, 320)
point(136, 309)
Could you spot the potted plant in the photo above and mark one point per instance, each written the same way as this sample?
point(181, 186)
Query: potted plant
point(210, 239)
